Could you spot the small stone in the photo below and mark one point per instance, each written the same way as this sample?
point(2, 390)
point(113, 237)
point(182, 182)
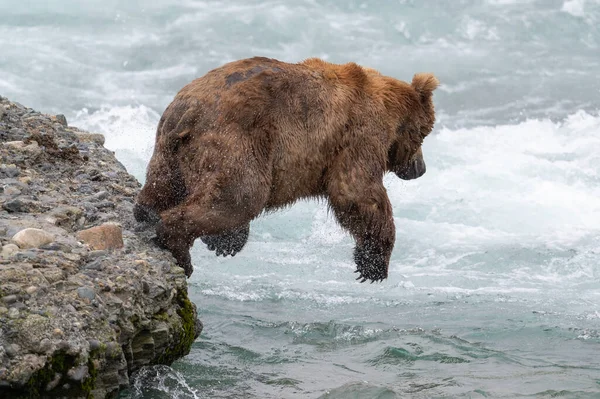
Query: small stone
point(94, 344)
point(32, 238)
point(34, 148)
point(105, 236)
point(105, 204)
point(64, 215)
point(11, 191)
point(99, 196)
point(54, 383)
point(91, 137)
point(15, 144)
point(57, 333)
point(25, 179)
point(12, 350)
point(8, 250)
point(3, 310)
point(86, 292)
point(96, 264)
point(21, 205)
point(10, 170)
point(45, 346)
point(113, 350)
point(78, 373)
point(13, 313)
point(96, 254)
point(31, 289)
point(8, 299)
point(60, 118)
point(15, 205)
point(55, 246)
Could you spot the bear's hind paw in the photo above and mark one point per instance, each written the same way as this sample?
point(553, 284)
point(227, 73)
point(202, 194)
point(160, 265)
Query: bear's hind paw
point(227, 243)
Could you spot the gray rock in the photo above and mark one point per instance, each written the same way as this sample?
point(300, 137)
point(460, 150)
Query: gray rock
point(12, 350)
point(78, 373)
point(32, 238)
point(13, 313)
point(94, 265)
point(16, 205)
point(94, 344)
point(62, 120)
point(31, 289)
point(9, 170)
point(117, 309)
point(45, 345)
point(9, 299)
point(101, 195)
point(86, 292)
point(96, 254)
point(10, 191)
point(54, 382)
point(8, 250)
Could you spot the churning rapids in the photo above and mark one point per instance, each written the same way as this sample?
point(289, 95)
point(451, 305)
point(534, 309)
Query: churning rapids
point(494, 286)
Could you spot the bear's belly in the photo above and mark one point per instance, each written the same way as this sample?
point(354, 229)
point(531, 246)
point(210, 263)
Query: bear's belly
point(290, 184)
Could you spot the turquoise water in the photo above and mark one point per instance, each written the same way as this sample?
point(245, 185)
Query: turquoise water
point(493, 289)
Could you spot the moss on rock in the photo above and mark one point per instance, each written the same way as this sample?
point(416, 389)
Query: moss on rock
point(57, 367)
point(187, 313)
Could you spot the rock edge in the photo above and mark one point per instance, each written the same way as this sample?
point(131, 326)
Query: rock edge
point(75, 320)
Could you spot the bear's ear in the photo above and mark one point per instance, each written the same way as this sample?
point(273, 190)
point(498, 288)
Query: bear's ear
point(425, 84)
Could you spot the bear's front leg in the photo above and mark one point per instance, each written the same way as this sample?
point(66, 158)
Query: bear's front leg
point(178, 244)
point(362, 207)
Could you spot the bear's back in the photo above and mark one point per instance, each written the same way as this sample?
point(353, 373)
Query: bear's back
point(302, 98)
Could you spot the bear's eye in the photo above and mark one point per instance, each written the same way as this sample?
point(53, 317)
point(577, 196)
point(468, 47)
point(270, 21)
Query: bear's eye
point(401, 129)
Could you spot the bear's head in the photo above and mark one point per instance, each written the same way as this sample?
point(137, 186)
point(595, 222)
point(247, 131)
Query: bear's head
point(405, 156)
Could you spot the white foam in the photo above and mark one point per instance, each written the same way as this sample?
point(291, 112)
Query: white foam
point(129, 131)
point(574, 7)
point(534, 180)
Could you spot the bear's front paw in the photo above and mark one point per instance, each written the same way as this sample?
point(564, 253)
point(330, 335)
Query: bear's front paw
point(371, 263)
point(227, 243)
point(145, 214)
point(178, 247)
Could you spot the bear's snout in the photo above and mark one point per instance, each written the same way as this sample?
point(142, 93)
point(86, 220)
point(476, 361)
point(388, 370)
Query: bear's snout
point(415, 169)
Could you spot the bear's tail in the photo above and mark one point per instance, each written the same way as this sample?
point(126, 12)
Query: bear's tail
point(425, 83)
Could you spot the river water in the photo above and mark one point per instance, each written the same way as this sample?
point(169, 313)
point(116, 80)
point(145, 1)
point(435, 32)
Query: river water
point(494, 284)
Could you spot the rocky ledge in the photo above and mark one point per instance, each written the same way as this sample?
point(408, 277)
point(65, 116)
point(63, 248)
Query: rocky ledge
point(85, 298)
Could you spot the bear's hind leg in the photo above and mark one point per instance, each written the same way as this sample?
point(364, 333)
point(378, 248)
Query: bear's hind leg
point(212, 212)
point(229, 243)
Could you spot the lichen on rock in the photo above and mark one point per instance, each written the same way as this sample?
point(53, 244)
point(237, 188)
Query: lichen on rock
point(87, 299)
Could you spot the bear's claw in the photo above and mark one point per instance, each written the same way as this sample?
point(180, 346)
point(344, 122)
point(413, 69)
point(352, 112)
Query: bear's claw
point(227, 243)
point(178, 248)
point(370, 263)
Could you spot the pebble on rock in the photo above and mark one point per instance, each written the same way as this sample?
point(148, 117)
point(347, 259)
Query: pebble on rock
point(8, 250)
point(86, 292)
point(60, 118)
point(105, 236)
point(32, 238)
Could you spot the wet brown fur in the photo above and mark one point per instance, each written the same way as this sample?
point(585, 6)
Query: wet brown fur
point(258, 134)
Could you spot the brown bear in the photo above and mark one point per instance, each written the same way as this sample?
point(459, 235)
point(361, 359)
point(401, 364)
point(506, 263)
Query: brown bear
point(258, 134)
